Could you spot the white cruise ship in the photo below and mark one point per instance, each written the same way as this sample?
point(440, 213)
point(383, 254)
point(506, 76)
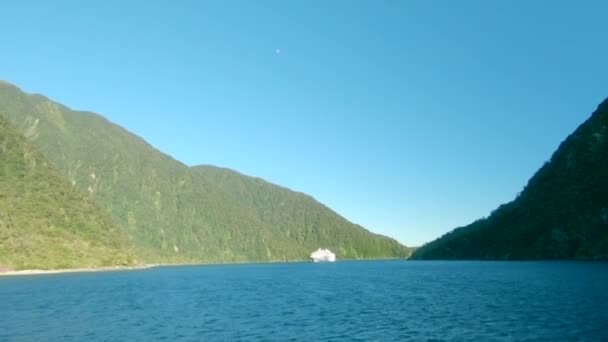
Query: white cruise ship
point(323, 255)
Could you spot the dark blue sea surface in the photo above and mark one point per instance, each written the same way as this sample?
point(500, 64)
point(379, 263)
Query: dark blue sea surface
point(344, 301)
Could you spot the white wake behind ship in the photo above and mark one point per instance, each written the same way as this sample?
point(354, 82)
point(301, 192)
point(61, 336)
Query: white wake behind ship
point(323, 255)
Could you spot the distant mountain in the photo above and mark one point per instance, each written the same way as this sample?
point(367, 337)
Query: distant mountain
point(44, 222)
point(561, 214)
point(173, 213)
point(300, 217)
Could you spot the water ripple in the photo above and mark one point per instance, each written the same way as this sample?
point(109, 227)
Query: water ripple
point(350, 301)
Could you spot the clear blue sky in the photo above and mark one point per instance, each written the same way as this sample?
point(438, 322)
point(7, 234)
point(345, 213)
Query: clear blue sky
point(408, 117)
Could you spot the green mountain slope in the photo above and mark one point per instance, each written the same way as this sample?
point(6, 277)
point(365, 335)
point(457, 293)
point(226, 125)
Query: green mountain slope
point(562, 212)
point(170, 212)
point(44, 222)
point(299, 217)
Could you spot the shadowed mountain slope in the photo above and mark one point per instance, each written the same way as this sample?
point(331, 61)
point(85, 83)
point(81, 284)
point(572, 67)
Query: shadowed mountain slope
point(562, 213)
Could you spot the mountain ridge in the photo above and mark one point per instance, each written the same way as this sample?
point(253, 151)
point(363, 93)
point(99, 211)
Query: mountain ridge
point(170, 212)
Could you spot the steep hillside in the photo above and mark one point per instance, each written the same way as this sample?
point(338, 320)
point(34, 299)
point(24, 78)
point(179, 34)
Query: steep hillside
point(300, 217)
point(170, 212)
point(44, 222)
point(562, 212)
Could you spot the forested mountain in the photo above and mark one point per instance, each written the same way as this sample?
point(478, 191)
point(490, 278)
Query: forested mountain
point(562, 213)
point(170, 212)
point(299, 217)
point(45, 223)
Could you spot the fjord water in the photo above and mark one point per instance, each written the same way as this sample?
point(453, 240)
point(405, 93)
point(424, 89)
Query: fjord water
point(344, 301)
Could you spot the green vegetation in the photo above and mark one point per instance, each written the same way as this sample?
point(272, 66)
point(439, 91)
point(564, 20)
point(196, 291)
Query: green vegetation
point(299, 217)
point(173, 213)
point(561, 214)
point(44, 222)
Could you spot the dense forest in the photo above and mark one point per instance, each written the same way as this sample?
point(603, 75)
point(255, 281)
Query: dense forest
point(299, 217)
point(44, 222)
point(170, 212)
point(562, 213)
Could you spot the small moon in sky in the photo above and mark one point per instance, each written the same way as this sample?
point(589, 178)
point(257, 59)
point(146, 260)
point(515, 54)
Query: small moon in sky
point(278, 51)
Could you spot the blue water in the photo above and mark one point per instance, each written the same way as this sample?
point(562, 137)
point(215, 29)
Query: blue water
point(345, 301)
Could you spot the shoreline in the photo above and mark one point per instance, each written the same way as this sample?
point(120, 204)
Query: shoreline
point(75, 270)
point(148, 266)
